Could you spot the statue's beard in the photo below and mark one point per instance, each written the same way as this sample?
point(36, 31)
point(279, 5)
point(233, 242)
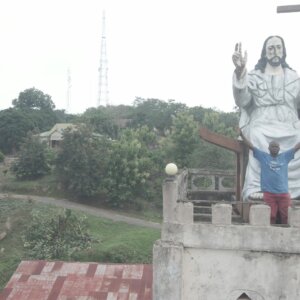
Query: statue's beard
point(275, 61)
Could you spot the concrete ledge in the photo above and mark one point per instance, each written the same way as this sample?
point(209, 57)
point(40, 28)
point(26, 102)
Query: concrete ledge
point(221, 214)
point(294, 217)
point(234, 237)
point(260, 215)
point(184, 213)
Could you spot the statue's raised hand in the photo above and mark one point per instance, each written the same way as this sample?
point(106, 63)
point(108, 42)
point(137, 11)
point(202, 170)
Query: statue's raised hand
point(239, 60)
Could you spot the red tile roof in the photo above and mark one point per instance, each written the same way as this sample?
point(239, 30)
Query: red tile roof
point(43, 280)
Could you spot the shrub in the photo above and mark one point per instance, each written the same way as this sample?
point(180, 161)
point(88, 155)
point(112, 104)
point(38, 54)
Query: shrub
point(33, 159)
point(81, 161)
point(129, 167)
point(56, 236)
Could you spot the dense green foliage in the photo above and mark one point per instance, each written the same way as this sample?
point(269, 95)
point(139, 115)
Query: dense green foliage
point(14, 126)
point(56, 236)
point(32, 110)
point(184, 136)
point(89, 165)
point(210, 156)
point(100, 121)
point(38, 106)
point(33, 159)
point(120, 153)
point(130, 165)
point(81, 161)
point(155, 113)
point(33, 99)
point(108, 120)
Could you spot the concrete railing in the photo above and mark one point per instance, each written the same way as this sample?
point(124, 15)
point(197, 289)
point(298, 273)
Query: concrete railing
point(208, 180)
point(221, 260)
point(177, 209)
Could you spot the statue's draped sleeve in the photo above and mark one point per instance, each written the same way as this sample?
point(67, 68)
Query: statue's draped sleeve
point(242, 97)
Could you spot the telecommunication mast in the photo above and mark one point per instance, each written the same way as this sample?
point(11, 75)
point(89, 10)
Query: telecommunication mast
point(103, 94)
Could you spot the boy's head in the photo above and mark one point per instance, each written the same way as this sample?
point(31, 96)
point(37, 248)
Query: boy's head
point(274, 148)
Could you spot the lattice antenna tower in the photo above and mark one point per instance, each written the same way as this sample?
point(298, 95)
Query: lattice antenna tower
point(69, 88)
point(103, 94)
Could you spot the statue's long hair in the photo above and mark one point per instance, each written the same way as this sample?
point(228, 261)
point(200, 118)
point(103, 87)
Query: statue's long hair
point(262, 62)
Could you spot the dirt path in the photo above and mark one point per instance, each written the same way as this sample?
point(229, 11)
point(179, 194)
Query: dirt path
point(99, 212)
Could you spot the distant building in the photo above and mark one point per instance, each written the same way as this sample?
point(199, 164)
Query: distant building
point(54, 136)
point(122, 123)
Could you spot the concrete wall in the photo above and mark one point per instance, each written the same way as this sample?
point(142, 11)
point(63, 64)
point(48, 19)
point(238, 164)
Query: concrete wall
point(221, 260)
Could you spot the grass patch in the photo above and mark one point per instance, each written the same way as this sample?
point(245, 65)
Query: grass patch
point(45, 186)
point(119, 242)
point(116, 242)
point(11, 246)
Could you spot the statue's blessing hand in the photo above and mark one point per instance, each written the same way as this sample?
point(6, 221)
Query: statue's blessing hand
point(238, 59)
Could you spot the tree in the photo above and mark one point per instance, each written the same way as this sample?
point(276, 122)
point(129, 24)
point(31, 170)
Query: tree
point(185, 138)
point(33, 159)
point(212, 120)
point(33, 99)
point(101, 121)
point(63, 117)
point(218, 121)
point(56, 236)
point(14, 126)
point(198, 113)
point(81, 161)
point(39, 107)
point(155, 113)
point(210, 156)
point(130, 166)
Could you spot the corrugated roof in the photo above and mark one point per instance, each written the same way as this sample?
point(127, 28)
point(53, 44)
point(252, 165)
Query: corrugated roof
point(43, 280)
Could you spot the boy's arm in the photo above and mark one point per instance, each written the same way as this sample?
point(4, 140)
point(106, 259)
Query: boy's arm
point(248, 143)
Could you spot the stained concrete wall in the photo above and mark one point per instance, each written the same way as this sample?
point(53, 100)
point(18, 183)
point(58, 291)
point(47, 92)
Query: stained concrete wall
point(221, 260)
point(216, 274)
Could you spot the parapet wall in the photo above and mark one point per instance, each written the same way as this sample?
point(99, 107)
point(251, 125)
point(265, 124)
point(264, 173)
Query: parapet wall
point(221, 260)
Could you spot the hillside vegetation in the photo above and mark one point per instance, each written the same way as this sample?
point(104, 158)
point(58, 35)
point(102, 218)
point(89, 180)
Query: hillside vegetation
point(115, 157)
point(112, 241)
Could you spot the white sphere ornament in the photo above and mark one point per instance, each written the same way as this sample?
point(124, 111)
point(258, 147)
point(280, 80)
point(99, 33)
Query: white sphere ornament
point(171, 169)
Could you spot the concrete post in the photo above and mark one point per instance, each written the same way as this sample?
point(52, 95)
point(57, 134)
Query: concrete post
point(260, 215)
point(174, 211)
point(221, 214)
point(167, 271)
point(170, 197)
point(294, 217)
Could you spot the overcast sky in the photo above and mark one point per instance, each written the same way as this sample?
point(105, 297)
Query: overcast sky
point(164, 49)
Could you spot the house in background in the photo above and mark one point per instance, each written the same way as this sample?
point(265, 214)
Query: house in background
point(54, 136)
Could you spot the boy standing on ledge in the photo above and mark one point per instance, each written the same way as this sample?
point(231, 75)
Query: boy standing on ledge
point(274, 177)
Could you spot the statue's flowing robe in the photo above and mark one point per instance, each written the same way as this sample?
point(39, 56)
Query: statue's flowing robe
point(268, 105)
